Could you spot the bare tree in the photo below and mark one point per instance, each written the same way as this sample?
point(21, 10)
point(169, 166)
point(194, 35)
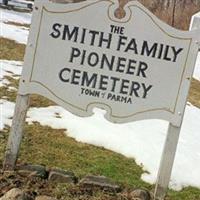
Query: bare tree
point(174, 12)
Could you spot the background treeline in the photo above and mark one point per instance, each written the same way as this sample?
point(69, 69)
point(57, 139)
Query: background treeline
point(174, 12)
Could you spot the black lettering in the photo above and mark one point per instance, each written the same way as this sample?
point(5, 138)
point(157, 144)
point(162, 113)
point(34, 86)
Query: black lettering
point(166, 54)
point(160, 51)
point(93, 59)
point(74, 54)
point(132, 46)
point(106, 40)
point(62, 73)
point(70, 34)
point(75, 75)
point(131, 67)
point(83, 57)
point(124, 87)
point(114, 79)
point(149, 51)
point(141, 69)
point(56, 33)
point(146, 89)
point(94, 34)
point(103, 82)
point(121, 42)
point(135, 86)
point(89, 81)
point(120, 65)
point(105, 61)
point(83, 36)
point(176, 52)
point(117, 29)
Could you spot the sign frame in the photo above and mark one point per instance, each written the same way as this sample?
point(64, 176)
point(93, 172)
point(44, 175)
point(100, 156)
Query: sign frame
point(22, 102)
point(170, 113)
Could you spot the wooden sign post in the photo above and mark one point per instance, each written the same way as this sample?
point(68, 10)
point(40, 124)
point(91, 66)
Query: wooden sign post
point(81, 56)
point(167, 161)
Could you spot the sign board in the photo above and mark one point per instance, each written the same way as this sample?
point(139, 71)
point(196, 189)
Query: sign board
point(81, 56)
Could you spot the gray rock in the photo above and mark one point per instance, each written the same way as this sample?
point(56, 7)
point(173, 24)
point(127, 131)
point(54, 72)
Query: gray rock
point(101, 182)
point(44, 198)
point(38, 170)
point(140, 194)
point(9, 173)
point(15, 194)
point(24, 173)
point(62, 176)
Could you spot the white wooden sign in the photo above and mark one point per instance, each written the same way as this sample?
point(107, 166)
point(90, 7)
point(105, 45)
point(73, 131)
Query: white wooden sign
point(81, 56)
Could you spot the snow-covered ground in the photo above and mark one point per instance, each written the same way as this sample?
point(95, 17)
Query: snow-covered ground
point(17, 33)
point(21, 3)
point(141, 140)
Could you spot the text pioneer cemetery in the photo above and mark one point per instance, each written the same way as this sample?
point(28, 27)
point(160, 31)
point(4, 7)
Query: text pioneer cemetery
point(123, 86)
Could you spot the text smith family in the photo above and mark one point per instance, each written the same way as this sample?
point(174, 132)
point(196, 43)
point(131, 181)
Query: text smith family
point(129, 75)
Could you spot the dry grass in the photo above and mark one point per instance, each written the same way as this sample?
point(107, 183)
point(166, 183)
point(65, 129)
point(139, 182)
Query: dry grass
point(17, 24)
point(11, 50)
point(50, 147)
point(194, 95)
point(10, 95)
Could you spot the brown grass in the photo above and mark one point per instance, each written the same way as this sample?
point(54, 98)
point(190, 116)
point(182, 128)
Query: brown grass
point(10, 95)
point(17, 24)
point(194, 95)
point(11, 50)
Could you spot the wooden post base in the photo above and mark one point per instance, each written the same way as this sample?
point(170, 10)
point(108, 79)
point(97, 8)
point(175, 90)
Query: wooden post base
point(16, 132)
point(167, 161)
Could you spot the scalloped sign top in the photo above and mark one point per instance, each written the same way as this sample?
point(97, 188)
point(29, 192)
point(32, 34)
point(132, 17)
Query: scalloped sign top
point(81, 56)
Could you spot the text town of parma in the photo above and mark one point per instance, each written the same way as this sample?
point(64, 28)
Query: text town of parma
point(131, 67)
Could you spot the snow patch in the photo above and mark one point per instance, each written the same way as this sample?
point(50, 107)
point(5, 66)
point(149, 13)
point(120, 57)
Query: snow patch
point(142, 140)
point(19, 17)
point(17, 33)
point(12, 32)
point(9, 68)
point(6, 110)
